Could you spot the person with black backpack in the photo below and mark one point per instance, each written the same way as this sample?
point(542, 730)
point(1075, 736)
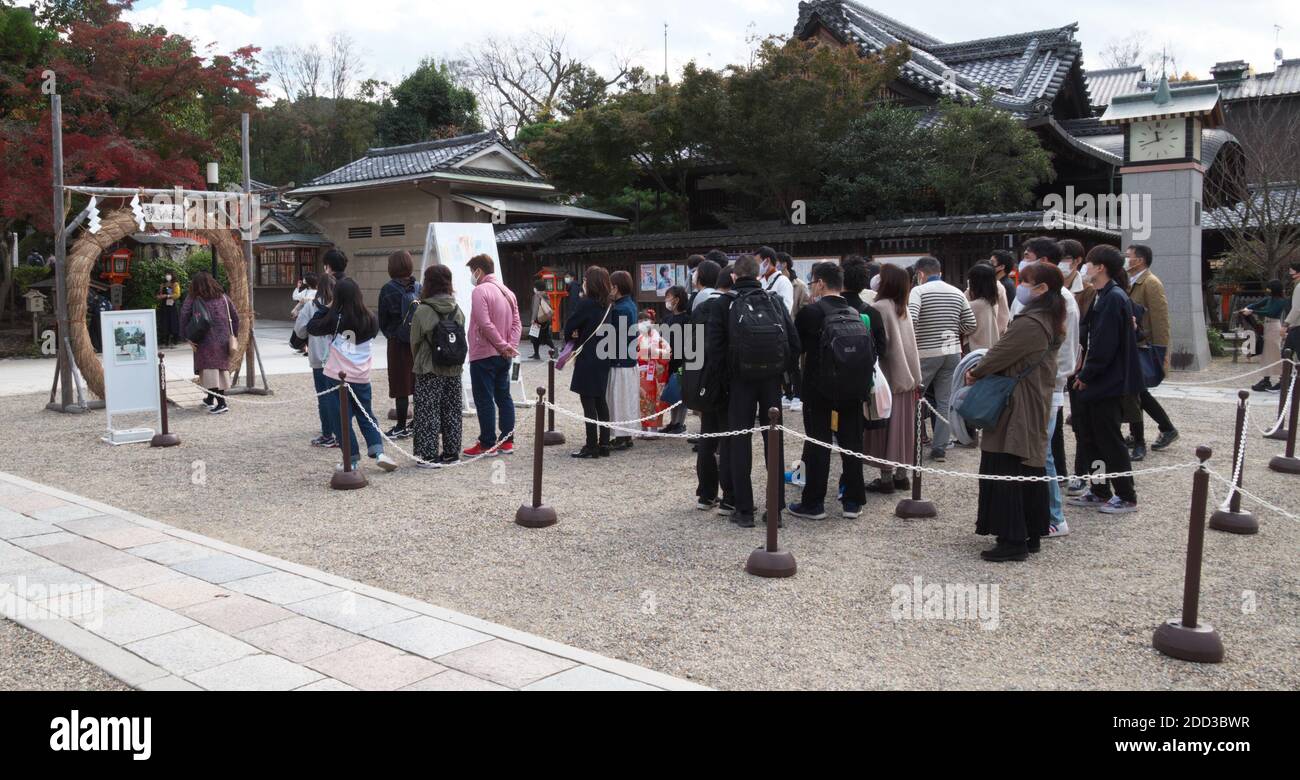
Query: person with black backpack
point(712, 457)
point(397, 302)
point(839, 360)
point(751, 330)
point(438, 351)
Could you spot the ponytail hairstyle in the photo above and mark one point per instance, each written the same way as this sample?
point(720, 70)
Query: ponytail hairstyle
point(1050, 275)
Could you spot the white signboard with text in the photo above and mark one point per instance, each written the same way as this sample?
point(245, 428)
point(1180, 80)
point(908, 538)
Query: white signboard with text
point(130, 342)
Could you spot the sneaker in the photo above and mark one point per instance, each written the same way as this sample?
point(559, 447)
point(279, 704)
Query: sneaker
point(938, 456)
point(1275, 389)
point(400, 433)
point(586, 453)
point(386, 463)
point(506, 448)
point(220, 408)
point(209, 401)
point(796, 406)
point(852, 511)
point(479, 451)
point(1118, 506)
point(785, 402)
point(726, 508)
point(1264, 385)
point(743, 519)
point(807, 512)
point(355, 466)
point(430, 465)
point(447, 460)
point(1088, 501)
point(319, 441)
point(881, 486)
point(705, 504)
point(1130, 442)
point(1058, 531)
point(1165, 439)
point(1138, 454)
point(1077, 488)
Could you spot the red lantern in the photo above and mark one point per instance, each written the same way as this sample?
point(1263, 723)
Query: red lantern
point(119, 267)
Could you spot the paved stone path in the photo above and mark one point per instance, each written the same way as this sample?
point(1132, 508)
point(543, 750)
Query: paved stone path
point(164, 609)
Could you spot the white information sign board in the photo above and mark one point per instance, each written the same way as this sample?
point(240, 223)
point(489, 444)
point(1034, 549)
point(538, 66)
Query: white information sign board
point(453, 244)
point(130, 342)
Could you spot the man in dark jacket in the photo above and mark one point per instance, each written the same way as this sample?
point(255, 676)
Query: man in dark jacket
point(819, 408)
point(749, 396)
point(712, 456)
point(1110, 372)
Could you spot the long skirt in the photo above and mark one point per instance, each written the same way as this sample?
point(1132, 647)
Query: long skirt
point(215, 378)
point(401, 377)
point(1272, 350)
point(1012, 511)
point(897, 441)
point(624, 395)
point(437, 416)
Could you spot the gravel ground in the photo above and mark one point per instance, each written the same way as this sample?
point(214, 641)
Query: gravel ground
point(634, 572)
point(30, 662)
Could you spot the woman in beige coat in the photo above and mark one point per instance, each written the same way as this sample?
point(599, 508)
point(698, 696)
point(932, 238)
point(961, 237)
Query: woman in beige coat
point(988, 300)
point(1019, 513)
point(902, 367)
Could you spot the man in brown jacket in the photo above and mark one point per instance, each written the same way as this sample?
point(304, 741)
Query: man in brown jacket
point(1147, 291)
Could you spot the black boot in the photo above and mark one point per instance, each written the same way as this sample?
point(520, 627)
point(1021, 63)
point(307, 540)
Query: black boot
point(1006, 552)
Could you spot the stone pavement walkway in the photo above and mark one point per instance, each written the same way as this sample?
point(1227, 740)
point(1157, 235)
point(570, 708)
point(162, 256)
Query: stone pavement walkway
point(164, 609)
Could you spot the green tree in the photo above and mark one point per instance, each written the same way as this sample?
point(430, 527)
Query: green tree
point(427, 104)
point(985, 160)
point(879, 168)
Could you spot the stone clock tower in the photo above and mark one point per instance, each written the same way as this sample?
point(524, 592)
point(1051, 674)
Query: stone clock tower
point(1162, 168)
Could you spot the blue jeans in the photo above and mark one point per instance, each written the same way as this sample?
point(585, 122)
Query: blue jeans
point(374, 443)
point(1053, 488)
point(323, 401)
point(489, 379)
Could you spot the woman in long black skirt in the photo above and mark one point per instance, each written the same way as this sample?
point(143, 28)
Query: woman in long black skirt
point(1018, 513)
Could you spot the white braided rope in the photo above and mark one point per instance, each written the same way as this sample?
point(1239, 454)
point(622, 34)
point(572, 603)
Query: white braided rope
point(982, 477)
point(1286, 406)
point(278, 402)
point(934, 411)
point(622, 427)
point(1240, 459)
point(463, 462)
point(1253, 497)
point(1261, 369)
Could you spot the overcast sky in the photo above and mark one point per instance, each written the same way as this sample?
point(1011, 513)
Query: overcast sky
point(395, 34)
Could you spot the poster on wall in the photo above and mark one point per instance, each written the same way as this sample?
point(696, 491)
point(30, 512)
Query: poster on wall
point(648, 283)
point(130, 341)
point(454, 244)
point(665, 277)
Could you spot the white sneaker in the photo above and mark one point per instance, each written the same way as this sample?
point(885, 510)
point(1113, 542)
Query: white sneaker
point(386, 463)
point(339, 466)
point(427, 465)
point(785, 402)
point(796, 405)
point(1057, 531)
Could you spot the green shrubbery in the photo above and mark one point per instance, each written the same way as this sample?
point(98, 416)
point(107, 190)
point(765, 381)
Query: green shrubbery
point(147, 276)
point(27, 275)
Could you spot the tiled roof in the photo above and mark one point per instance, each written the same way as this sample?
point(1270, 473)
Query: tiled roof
point(1109, 139)
point(1026, 70)
point(293, 223)
point(774, 234)
point(1106, 84)
point(396, 162)
point(532, 232)
point(1284, 200)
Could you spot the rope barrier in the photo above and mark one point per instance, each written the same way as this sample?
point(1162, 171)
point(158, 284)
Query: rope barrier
point(280, 402)
point(1286, 406)
point(1259, 370)
point(1253, 497)
point(379, 429)
point(1239, 458)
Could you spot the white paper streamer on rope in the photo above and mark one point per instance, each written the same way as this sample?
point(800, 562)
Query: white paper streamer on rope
point(93, 217)
point(138, 212)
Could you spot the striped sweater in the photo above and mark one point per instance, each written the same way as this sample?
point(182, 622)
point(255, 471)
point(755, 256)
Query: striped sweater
point(941, 316)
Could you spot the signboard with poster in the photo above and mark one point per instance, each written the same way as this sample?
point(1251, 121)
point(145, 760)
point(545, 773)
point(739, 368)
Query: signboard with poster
point(654, 280)
point(130, 340)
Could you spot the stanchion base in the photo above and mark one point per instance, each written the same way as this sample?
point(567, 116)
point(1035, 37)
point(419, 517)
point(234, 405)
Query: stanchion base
point(1280, 434)
point(1243, 523)
point(348, 480)
point(1200, 645)
point(69, 409)
point(911, 509)
point(553, 439)
point(1284, 465)
point(536, 516)
point(773, 565)
point(165, 440)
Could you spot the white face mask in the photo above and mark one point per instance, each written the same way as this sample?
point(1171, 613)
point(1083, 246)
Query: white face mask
point(1066, 267)
point(1025, 264)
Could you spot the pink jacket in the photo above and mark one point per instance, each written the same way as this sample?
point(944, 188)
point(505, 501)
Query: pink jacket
point(494, 324)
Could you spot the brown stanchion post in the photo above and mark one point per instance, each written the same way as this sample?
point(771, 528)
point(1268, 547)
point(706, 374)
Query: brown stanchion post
point(1288, 463)
point(916, 508)
point(1188, 639)
point(1232, 520)
point(552, 437)
point(771, 561)
point(1287, 370)
point(537, 515)
point(348, 478)
point(165, 438)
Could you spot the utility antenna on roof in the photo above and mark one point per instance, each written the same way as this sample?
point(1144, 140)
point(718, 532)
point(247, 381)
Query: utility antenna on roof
point(1277, 42)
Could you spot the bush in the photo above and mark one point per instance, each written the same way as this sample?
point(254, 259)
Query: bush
point(1218, 347)
point(27, 275)
point(147, 277)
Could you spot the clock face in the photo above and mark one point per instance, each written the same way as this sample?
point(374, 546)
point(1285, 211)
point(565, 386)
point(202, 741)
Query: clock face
point(1160, 139)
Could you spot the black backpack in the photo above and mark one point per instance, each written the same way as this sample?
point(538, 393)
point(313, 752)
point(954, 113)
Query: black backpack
point(759, 345)
point(847, 356)
point(447, 340)
point(200, 322)
point(410, 302)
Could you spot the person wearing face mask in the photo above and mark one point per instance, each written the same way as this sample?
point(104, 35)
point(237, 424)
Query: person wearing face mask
point(1041, 249)
point(1004, 263)
point(493, 340)
point(770, 276)
point(1018, 513)
point(1110, 372)
point(169, 313)
point(588, 314)
point(1154, 332)
point(942, 317)
point(623, 393)
point(1072, 254)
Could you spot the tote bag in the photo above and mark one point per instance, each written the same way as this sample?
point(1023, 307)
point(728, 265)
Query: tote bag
point(1152, 359)
point(881, 403)
point(987, 399)
point(350, 359)
point(572, 349)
